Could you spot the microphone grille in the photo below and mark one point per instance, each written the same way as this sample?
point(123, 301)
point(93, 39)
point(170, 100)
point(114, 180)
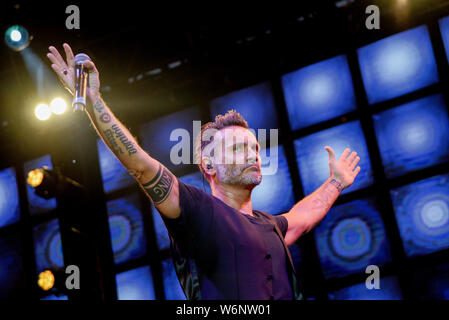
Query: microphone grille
point(81, 57)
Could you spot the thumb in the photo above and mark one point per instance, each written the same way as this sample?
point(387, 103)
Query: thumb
point(331, 153)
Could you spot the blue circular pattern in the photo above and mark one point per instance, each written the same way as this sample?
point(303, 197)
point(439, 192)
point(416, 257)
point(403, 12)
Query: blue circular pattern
point(54, 250)
point(431, 215)
point(121, 232)
point(351, 238)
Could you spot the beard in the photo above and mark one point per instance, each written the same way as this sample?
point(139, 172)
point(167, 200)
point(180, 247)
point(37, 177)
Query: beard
point(237, 175)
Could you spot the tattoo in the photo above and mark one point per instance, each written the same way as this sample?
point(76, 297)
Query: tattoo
point(99, 106)
point(105, 117)
point(124, 140)
point(324, 199)
point(336, 184)
point(160, 186)
point(114, 145)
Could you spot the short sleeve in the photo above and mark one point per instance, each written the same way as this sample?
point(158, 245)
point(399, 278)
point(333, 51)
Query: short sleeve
point(195, 218)
point(282, 223)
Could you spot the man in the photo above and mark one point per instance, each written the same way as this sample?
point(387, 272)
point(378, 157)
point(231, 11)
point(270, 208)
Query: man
point(222, 247)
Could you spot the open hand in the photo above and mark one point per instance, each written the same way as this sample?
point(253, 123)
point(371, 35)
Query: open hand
point(343, 169)
point(65, 70)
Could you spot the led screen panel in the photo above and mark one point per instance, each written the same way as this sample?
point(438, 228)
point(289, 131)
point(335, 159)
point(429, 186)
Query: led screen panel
point(432, 283)
point(413, 136)
point(318, 92)
point(12, 282)
point(397, 65)
point(135, 284)
point(157, 136)
point(389, 290)
point(351, 237)
point(9, 198)
point(48, 246)
point(113, 173)
point(256, 104)
point(422, 213)
point(37, 204)
point(55, 297)
point(313, 159)
point(444, 28)
point(172, 287)
point(126, 228)
point(274, 194)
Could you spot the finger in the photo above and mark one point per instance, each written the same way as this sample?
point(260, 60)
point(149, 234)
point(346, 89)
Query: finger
point(351, 157)
point(345, 154)
point(354, 163)
point(69, 55)
point(59, 71)
point(90, 66)
point(331, 153)
point(52, 58)
point(57, 56)
point(356, 171)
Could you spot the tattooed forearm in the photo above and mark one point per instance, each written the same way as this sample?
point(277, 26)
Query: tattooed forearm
point(137, 174)
point(112, 142)
point(99, 105)
point(124, 140)
point(160, 186)
point(326, 197)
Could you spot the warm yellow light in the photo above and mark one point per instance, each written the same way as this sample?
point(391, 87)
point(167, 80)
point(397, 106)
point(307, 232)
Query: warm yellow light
point(58, 106)
point(35, 177)
point(42, 111)
point(46, 280)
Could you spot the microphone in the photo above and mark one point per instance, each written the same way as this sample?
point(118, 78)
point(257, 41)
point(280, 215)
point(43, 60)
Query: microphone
point(79, 94)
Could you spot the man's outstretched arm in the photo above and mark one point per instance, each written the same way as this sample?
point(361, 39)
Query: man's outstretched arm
point(308, 212)
point(158, 182)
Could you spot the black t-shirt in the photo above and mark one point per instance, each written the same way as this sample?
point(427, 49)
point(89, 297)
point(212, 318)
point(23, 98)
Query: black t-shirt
point(236, 256)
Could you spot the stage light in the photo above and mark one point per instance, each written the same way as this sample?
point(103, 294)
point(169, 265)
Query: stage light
point(42, 111)
point(17, 38)
point(46, 280)
point(48, 183)
point(58, 106)
point(35, 177)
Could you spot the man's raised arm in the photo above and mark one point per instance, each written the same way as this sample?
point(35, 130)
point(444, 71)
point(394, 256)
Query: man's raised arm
point(158, 182)
point(308, 212)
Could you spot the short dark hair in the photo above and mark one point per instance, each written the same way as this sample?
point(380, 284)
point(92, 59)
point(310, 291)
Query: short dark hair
point(230, 118)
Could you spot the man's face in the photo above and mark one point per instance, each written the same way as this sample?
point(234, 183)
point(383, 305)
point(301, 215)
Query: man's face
point(239, 161)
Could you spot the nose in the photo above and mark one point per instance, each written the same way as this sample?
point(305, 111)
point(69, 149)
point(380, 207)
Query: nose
point(252, 156)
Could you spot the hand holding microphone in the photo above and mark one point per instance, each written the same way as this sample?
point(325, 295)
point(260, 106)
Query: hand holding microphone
point(78, 75)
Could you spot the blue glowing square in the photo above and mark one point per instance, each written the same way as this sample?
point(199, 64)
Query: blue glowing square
point(113, 173)
point(12, 283)
point(275, 194)
point(55, 297)
point(444, 28)
point(157, 136)
point(432, 283)
point(413, 136)
point(318, 92)
point(9, 198)
point(135, 284)
point(172, 287)
point(127, 229)
point(397, 65)
point(48, 246)
point(256, 104)
point(351, 237)
point(37, 204)
point(389, 290)
point(313, 159)
point(422, 213)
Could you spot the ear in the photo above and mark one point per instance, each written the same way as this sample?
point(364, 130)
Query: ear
point(208, 166)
